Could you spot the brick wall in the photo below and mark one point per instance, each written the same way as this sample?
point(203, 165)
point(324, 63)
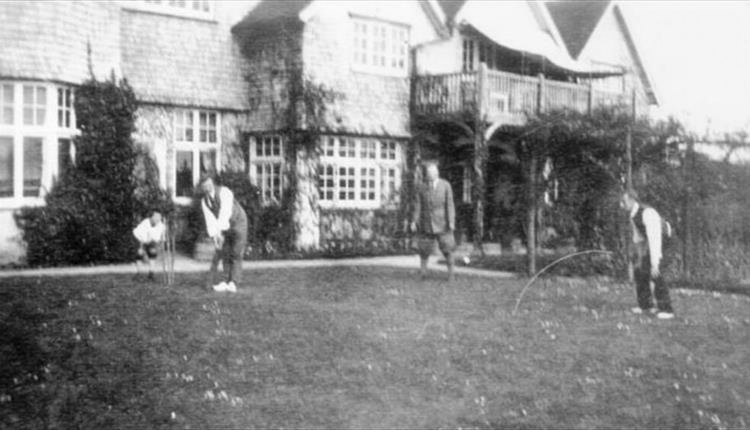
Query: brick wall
point(49, 40)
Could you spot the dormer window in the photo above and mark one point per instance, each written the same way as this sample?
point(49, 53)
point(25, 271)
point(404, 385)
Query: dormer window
point(380, 47)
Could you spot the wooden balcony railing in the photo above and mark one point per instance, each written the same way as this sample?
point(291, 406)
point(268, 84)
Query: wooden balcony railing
point(502, 95)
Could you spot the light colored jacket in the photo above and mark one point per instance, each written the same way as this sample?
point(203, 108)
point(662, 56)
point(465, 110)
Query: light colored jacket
point(147, 233)
point(225, 213)
point(652, 242)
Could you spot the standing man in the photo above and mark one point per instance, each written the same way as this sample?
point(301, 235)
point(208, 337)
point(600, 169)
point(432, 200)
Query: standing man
point(435, 218)
point(226, 225)
point(647, 237)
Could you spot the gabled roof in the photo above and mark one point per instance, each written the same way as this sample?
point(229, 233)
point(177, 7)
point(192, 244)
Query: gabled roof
point(648, 85)
point(523, 26)
point(451, 8)
point(576, 21)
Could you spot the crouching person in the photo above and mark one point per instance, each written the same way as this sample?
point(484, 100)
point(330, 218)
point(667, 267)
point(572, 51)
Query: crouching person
point(150, 236)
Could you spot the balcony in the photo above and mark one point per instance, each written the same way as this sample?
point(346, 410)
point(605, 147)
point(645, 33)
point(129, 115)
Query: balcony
point(503, 97)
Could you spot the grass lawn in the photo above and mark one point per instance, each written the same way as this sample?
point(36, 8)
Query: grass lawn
point(366, 348)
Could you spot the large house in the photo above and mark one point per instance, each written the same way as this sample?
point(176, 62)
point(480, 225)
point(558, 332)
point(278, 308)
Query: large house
point(323, 99)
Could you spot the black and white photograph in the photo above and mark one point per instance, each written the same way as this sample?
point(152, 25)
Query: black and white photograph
point(374, 214)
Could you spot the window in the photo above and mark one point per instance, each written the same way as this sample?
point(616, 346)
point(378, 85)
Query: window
point(379, 46)
point(207, 126)
point(369, 149)
point(34, 105)
point(359, 172)
point(347, 183)
point(196, 148)
point(267, 167)
point(64, 156)
point(389, 185)
point(37, 123)
point(6, 166)
point(367, 184)
point(187, 8)
point(327, 185)
point(6, 104)
point(32, 166)
point(65, 110)
point(184, 173)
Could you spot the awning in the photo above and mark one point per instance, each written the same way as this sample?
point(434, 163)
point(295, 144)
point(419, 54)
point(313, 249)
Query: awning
point(513, 25)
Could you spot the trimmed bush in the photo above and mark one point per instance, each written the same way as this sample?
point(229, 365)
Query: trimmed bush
point(90, 212)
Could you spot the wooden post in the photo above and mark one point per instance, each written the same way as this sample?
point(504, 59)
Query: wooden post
point(480, 159)
point(532, 183)
point(629, 181)
point(531, 214)
point(540, 95)
point(590, 100)
point(688, 165)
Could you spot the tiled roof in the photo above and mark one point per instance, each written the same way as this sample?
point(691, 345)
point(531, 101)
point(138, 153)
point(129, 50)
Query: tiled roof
point(51, 40)
point(183, 61)
point(576, 20)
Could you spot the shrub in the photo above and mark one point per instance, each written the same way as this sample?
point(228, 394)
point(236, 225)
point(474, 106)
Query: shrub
point(90, 212)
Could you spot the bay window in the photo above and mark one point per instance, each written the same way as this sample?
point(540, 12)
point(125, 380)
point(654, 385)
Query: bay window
point(33, 126)
point(359, 172)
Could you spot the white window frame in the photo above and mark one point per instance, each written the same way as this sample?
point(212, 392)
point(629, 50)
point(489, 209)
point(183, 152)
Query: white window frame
point(387, 40)
point(167, 7)
point(48, 131)
point(194, 145)
point(267, 161)
point(345, 155)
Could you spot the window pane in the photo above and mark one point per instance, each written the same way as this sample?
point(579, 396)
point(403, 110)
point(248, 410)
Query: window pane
point(6, 104)
point(208, 162)
point(64, 159)
point(184, 174)
point(41, 96)
point(6, 166)
point(28, 116)
point(32, 166)
point(7, 94)
point(28, 95)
